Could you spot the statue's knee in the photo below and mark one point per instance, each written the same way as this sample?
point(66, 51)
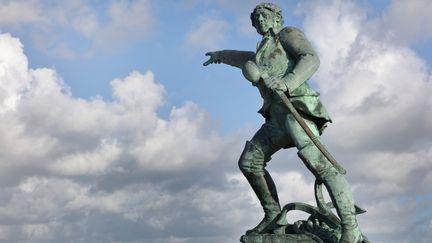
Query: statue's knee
point(317, 163)
point(251, 159)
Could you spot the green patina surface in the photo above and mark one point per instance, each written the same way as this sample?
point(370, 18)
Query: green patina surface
point(269, 238)
point(280, 67)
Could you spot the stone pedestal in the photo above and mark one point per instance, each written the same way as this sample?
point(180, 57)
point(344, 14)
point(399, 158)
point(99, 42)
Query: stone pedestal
point(271, 238)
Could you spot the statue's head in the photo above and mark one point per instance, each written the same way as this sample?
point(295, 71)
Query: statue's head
point(267, 16)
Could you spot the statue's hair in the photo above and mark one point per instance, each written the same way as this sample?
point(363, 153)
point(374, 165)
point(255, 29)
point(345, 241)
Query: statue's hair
point(275, 9)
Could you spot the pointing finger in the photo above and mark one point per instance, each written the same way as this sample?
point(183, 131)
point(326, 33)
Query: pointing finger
point(207, 63)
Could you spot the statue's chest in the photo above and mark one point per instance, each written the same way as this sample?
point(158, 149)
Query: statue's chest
point(272, 58)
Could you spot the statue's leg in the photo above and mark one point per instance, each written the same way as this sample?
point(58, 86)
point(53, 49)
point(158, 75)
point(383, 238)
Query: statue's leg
point(335, 182)
point(252, 162)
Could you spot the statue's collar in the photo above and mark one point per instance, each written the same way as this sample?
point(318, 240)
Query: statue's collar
point(272, 33)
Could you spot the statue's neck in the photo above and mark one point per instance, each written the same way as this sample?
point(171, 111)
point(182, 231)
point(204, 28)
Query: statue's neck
point(272, 32)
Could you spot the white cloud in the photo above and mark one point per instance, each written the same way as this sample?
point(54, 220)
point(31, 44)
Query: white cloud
point(67, 163)
point(406, 21)
point(138, 91)
point(94, 162)
point(207, 33)
point(377, 91)
point(13, 75)
point(301, 192)
point(20, 12)
point(122, 23)
point(129, 21)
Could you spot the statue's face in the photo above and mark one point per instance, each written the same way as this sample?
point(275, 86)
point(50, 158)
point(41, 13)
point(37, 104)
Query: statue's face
point(264, 20)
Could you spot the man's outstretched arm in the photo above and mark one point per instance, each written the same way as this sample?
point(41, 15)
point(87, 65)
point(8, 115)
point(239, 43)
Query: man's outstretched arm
point(230, 57)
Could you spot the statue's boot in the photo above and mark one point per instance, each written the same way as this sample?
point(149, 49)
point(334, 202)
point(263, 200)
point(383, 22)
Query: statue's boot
point(341, 196)
point(338, 189)
point(252, 164)
point(264, 188)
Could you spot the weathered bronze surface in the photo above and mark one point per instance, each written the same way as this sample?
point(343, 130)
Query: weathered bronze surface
point(272, 238)
point(294, 117)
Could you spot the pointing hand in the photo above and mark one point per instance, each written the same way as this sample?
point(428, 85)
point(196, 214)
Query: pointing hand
point(214, 58)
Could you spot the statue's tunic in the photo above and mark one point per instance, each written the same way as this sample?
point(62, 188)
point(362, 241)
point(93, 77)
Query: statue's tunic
point(289, 56)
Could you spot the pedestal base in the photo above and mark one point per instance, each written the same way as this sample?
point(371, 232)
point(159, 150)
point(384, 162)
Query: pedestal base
point(271, 238)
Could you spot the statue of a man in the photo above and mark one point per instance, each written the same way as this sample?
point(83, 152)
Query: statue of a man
point(284, 61)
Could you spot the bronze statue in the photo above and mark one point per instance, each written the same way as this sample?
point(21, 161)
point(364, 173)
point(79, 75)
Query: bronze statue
point(294, 117)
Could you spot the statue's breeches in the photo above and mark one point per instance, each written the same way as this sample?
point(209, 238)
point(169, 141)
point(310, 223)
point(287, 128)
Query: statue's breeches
point(281, 130)
point(252, 159)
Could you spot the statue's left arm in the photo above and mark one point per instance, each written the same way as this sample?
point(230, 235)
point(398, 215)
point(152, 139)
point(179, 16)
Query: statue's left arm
point(295, 43)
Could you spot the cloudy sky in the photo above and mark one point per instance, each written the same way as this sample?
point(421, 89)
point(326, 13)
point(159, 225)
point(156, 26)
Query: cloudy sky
point(111, 130)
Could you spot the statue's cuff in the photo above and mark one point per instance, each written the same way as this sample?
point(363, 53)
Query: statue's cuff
point(289, 81)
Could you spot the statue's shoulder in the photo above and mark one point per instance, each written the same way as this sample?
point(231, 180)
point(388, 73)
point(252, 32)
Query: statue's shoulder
point(290, 31)
point(295, 41)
